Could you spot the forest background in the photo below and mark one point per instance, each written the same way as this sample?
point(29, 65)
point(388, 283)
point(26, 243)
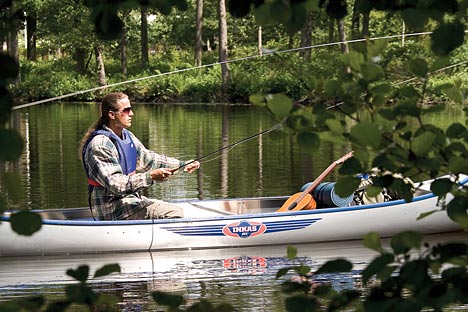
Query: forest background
point(60, 53)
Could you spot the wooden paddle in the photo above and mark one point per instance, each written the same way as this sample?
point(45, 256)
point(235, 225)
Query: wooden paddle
point(304, 199)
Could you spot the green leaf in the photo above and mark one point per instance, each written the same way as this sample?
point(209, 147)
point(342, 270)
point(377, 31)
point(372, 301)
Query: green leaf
point(414, 18)
point(166, 299)
point(12, 145)
point(10, 68)
point(372, 241)
point(455, 130)
point(351, 166)
point(456, 94)
point(281, 272)
point(423, 143)
point(419, 67)
point(346, 186)
point(107, 269)
point(25, 222)
point(372, 72)
point(291, 252)
point(441, 187)
point(403, 242)
point(257, 99)
point(280, 11)
point(14, 186)
point(310, 141)
point(376, 266)
point(353, 59)
point(335, 266)
point(367, 133)
point(279, 104)
point(376, 47)
point(80, 274)
point(447, 37)
point(457, 210)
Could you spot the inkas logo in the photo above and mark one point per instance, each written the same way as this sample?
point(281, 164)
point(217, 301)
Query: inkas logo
point(244, 229)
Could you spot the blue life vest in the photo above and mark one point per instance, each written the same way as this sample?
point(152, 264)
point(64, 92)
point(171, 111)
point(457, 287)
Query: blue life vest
point(126, 148)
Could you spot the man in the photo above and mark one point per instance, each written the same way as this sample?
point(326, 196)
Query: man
point(119, 166)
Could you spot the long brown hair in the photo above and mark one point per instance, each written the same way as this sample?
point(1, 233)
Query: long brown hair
point(109, 103)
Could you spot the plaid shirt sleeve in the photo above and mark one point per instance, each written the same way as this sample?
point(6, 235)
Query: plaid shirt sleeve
point(119, 195)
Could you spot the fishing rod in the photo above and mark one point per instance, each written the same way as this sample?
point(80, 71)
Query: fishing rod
point(277, 126)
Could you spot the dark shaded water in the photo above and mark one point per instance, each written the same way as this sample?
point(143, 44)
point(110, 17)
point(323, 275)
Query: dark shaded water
point(271, 164)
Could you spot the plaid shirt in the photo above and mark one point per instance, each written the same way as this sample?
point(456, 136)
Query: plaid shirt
point(119, 194)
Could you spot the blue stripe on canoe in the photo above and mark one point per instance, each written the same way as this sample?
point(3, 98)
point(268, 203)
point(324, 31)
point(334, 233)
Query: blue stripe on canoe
point(217, 229)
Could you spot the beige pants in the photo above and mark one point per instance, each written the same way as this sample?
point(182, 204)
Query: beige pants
point(158, 210)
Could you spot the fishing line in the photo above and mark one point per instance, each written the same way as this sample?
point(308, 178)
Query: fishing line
point(231, 146)
point(214, 64)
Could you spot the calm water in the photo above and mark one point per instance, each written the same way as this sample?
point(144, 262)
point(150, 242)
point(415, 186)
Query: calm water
point(271, 164)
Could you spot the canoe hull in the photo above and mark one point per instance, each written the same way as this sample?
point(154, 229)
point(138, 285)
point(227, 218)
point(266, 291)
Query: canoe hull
point(209, 226)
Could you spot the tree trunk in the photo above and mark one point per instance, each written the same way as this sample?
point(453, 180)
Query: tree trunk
point(144, 38)
point(12, 41)
point(306, 37)
point(331, 31)
point(80, 59)
point(198, 35)
point(259, 41)
point(355, 21)
point(342, 34)
point(31, 35)
point(123, 52)
point(100, 65)
point(223, 48)
point(365, 24)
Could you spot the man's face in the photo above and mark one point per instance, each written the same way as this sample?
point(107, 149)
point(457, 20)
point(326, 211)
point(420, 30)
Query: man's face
point(123, 117)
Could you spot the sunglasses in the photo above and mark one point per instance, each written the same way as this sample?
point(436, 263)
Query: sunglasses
point(126, 110)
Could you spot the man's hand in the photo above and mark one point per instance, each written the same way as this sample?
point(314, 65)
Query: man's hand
point(161, 174)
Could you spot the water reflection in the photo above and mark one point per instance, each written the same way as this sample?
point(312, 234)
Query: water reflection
point(269, 165)
point(244, 277)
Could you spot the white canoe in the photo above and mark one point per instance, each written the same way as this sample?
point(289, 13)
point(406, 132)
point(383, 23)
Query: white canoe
point(224, 223)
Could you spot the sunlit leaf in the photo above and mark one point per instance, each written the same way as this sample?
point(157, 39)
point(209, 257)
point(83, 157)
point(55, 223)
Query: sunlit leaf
point(107, 269)
point(458, 164)
point(80, 274)
point(335, 266)
point(402, 242)
point(353, 59)
point(291, 252)
point(372, 241)
point(257, 99)
point(423, 143)
point(279, 104)
point(25, 222)
point(456, 94)
point(376, 47)
point(367, 133)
